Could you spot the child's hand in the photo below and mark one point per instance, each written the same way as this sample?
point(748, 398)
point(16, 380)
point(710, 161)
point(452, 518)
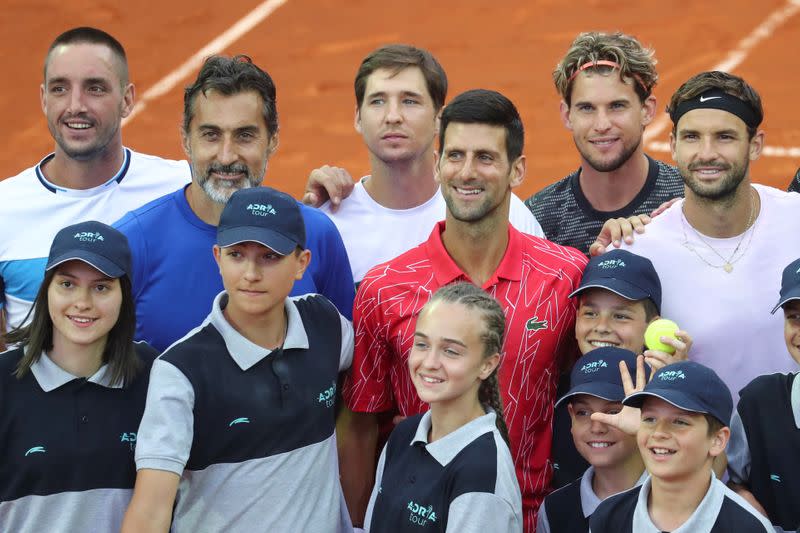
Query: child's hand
point(629, 418)
point(658, 359)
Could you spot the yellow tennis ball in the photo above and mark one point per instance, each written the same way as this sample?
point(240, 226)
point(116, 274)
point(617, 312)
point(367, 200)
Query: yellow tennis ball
point(657, 329)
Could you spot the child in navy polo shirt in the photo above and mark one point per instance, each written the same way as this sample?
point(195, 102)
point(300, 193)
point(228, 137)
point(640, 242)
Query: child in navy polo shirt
point(238, 430)
point(619, 295)
point(616, 465)
point(764, 452)
point(73, 391)
point(450, 468)
point(682, 427)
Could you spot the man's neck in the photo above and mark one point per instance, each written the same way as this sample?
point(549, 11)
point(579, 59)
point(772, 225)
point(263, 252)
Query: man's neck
point(204, 207)
point(402, 184)
point(611, 191)
point(477, 247)
point(671, 504)
point(726, 218)
point(70, 173)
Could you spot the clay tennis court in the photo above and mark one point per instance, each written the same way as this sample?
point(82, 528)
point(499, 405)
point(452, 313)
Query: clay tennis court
point(313, 47)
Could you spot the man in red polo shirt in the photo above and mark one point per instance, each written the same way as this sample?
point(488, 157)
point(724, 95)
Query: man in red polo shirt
point(481, 140)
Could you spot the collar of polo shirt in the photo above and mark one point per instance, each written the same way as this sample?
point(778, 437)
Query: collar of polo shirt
point(50, 376)
point(446, 448)
point(246, 353)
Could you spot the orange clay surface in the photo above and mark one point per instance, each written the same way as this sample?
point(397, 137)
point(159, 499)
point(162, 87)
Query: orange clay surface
point(313, 47)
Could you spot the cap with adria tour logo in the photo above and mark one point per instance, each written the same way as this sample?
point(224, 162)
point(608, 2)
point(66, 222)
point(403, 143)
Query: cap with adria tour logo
point(629, 275)
point(689, 386)
point(263, 215)
point(597, 374)
point(94, 243)
point(790, 284)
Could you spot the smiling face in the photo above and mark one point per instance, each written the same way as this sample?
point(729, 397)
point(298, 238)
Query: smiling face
point(84, 305)
point(257, 279)
point(791, 328)
point(602, 446)
point(228, 144)
point(474, 173)
point(84, 100)
point(607, 319)
point(447, 361)
point(607, 119)
point(397, 118)
point(675, 443)
point(713, 153)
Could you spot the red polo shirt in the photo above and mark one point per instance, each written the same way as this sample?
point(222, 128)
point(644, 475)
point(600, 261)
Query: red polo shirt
point(532, 283)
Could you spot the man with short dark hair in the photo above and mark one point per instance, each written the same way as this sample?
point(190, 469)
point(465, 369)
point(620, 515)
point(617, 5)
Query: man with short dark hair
point(230, 130)
point(90, 175)
point(481, 142)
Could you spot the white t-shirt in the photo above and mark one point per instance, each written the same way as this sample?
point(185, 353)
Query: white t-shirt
point(728, 314)
point(374, 234)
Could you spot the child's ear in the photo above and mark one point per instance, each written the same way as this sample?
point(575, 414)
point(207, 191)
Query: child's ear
point(720, 441)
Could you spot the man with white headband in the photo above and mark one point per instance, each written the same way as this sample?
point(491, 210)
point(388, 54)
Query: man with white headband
point(719, 252)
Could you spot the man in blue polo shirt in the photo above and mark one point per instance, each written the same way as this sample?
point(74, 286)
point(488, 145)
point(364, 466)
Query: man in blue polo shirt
point(230, 129)
point(238, 430)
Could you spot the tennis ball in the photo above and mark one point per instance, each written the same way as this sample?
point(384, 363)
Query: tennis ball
point(657, 329)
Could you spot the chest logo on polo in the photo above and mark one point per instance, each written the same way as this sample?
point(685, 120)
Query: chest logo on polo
point(88, 236)
point(328, 396)
point(261, 210)
point(534, 324)
point(130, 438)
point(241, 420)
point(594, 366)
point(419, 514)
point(35, 449)
point(775, 477)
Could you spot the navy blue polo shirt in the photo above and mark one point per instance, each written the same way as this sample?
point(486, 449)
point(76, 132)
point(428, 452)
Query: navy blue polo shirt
point(463, 482)
point(720, 511)
point(251, 431)
point(67, 446)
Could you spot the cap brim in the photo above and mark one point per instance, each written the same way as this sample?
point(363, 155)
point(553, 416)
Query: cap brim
point(271, 239)
point(99, 262)
point(793, 294)
point(604, 391)
point(671, 396)
point(619, 287)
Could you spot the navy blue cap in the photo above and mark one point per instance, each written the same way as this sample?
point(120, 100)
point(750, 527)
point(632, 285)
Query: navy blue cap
point(790, 284)
point(597, 374)
point(94, 243)
point(263, 215)
point(689, 386)
point(629, 275)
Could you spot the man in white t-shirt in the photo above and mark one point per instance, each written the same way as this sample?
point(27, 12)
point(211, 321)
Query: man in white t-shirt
point(719, 253)
point(399, 90)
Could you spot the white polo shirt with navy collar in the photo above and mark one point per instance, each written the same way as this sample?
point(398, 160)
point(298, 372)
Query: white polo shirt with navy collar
point(67, 446)
point(720, 511)
point(464, 482)
point(251, 431)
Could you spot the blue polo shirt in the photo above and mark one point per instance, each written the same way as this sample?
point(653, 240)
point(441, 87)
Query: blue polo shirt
point(720, 511)
point(175, 277)
point(67, 445)
point(463, 482)
point(251, 431)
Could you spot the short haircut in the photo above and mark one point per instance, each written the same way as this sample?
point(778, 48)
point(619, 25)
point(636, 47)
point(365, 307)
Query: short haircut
point(230, 76)
point(397, 57)
point(88, 35)
point(722, 81)
point(637, 64)
point(482, 106)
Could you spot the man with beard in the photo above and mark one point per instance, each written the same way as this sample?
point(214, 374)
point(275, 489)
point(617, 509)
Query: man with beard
point(90, 176)
point(605, 82)
point(720, 251)
point(229, 131)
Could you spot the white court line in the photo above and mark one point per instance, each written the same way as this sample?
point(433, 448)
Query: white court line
point(231, 35)
point(733, 60)
point(768, 151)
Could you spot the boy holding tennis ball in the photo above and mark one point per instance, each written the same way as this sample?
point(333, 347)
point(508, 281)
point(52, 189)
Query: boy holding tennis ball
point(763, 454)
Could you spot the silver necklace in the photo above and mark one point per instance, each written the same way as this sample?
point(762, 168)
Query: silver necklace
point(727, 263)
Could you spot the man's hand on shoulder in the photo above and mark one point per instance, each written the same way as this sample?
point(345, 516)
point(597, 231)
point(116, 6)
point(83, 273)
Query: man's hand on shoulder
point(327, 183)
